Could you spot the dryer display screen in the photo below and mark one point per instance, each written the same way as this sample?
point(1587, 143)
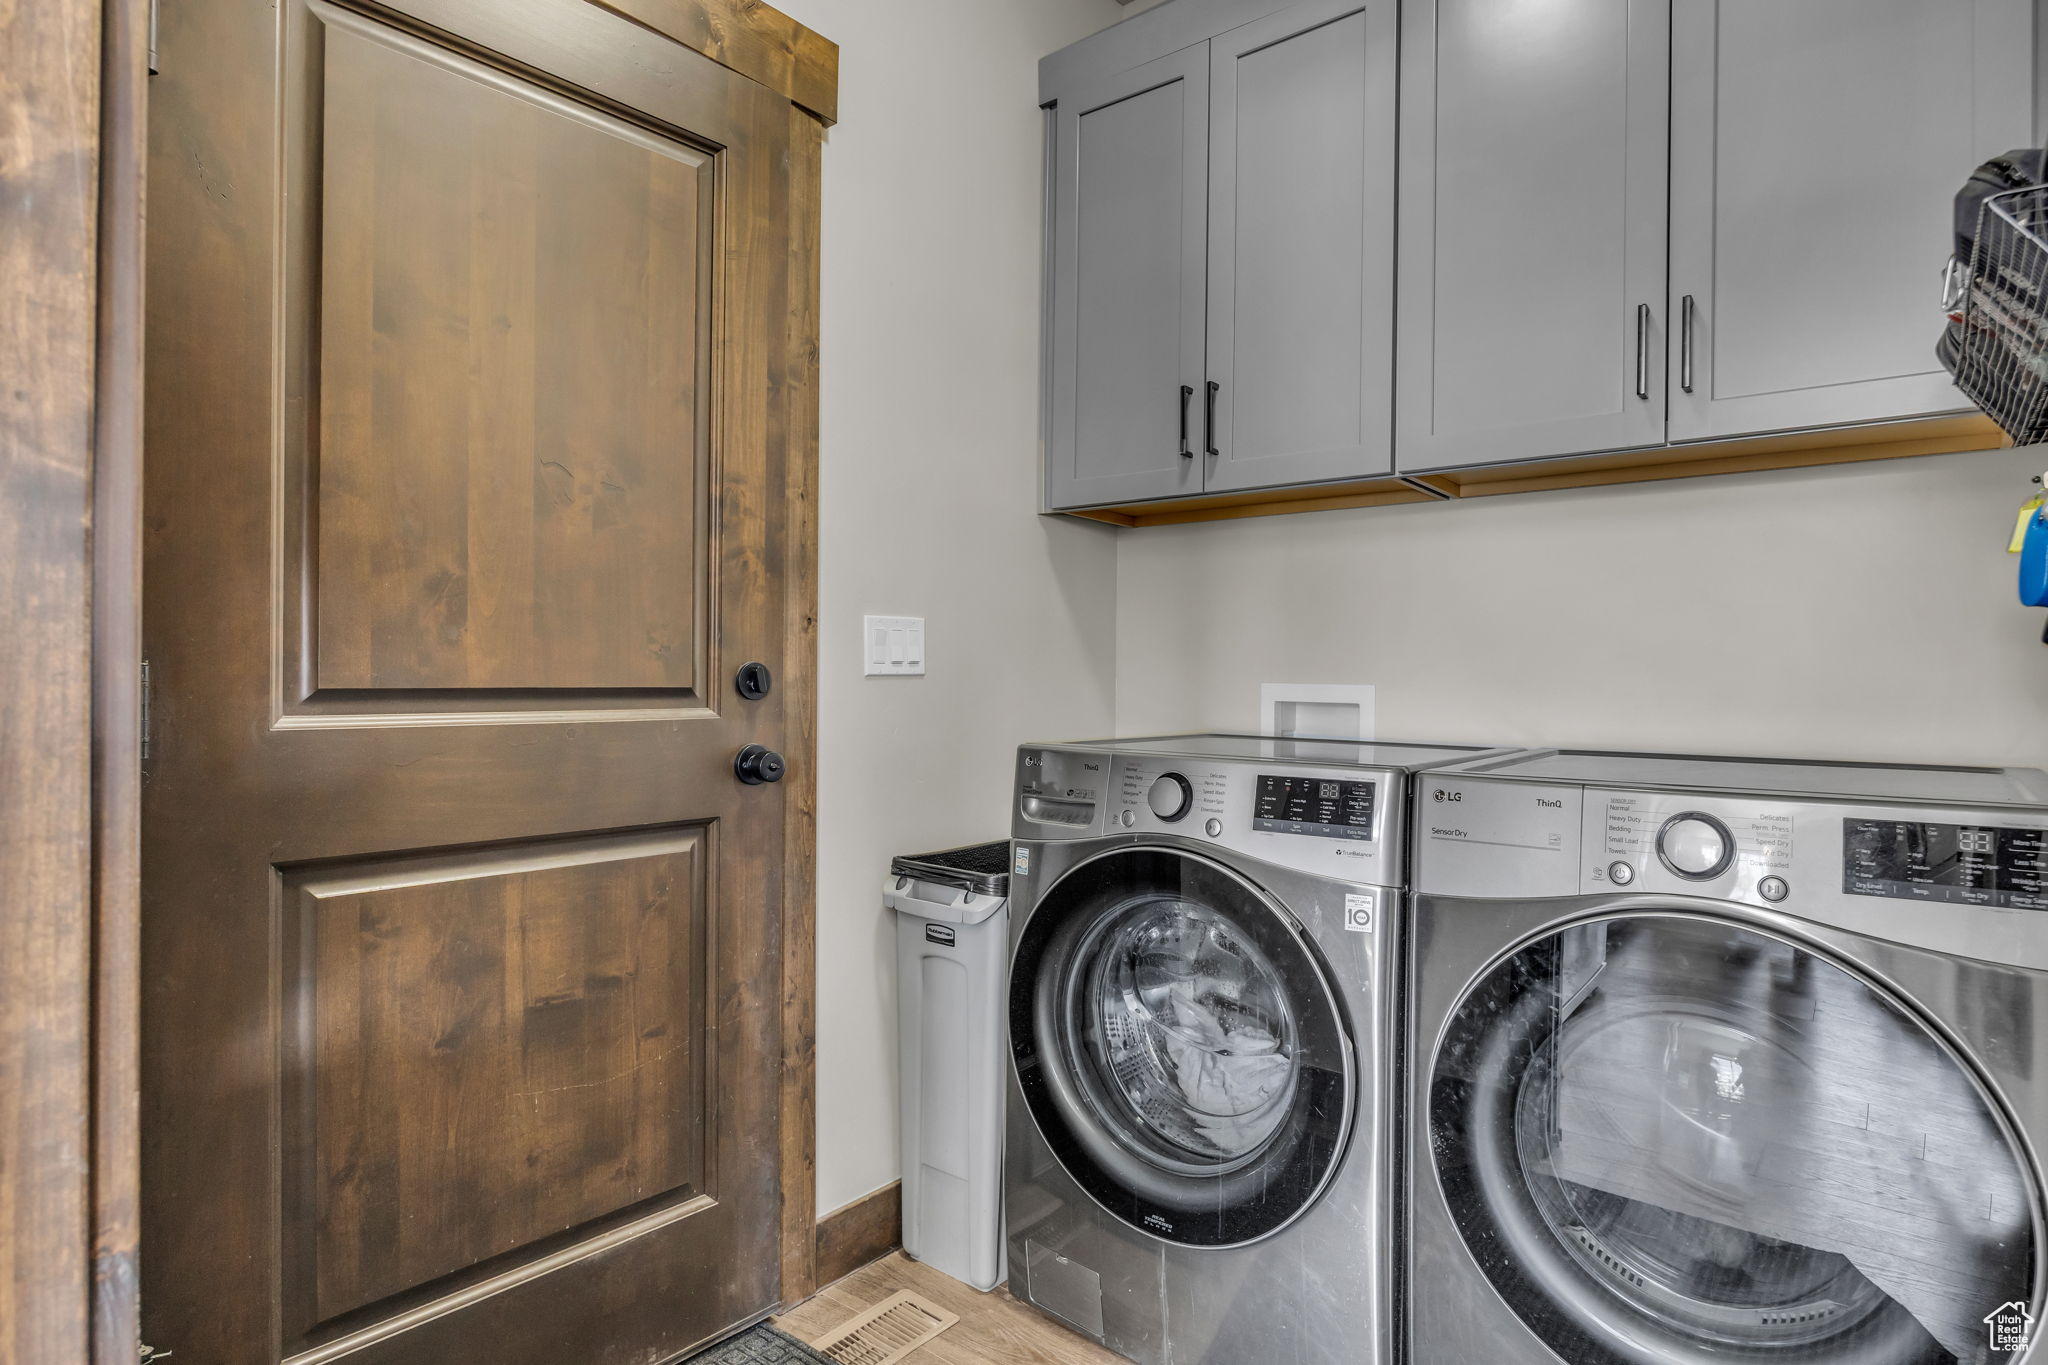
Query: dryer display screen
point(1953, 864)
point(1315, 806)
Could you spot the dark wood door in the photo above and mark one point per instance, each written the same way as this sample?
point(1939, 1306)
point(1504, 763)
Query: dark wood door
point(467, 450)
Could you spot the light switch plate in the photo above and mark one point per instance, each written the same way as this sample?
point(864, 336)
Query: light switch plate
point(895, 646)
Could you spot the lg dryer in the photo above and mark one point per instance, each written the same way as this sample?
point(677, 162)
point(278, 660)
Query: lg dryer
point(1721, 1060)
point(1205, 938)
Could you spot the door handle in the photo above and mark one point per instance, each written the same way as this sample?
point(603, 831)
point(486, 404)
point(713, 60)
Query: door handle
point(757, 763)
point(1209, 419)
point(1685, 344)
point(1642, 350)
point(1187, 452)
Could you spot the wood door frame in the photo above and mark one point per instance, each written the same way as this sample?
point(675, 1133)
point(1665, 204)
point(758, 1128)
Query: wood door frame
point(71, 692)
point(71, 82)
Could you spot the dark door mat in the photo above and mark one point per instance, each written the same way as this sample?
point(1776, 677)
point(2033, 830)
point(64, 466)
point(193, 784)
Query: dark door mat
point(761, 1345)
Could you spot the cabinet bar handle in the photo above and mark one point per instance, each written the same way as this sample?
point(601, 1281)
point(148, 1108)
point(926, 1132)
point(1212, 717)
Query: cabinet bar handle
point(1187, 452)
point(1642, 350)
point(1685, 344)
point(1209, 419)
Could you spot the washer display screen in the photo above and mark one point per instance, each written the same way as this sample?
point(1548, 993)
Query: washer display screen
point(1954, 864)
point(1321, 807)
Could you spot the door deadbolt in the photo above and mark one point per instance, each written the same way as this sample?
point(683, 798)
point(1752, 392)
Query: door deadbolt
point(757, 763)
point(753, 681)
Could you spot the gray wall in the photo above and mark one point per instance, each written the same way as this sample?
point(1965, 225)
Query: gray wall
point(1864, 611)
point(929, 450)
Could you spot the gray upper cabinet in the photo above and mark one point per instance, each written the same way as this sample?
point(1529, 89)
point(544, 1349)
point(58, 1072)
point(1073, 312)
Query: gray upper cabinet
point(1222, 218)
point(1620, 238)
point(1129, 215)
point(1301, 246)
point(1815, 150)
point(1533, 198)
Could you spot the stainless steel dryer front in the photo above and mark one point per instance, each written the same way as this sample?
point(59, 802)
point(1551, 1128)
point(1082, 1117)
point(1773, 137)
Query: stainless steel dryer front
point(1205, 948)
point(1720, 1060)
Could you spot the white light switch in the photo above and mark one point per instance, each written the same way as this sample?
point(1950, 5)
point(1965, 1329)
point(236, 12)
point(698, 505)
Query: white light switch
point(895, 646)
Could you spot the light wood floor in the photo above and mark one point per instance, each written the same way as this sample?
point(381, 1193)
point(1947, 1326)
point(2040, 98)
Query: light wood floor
point(994, 1329)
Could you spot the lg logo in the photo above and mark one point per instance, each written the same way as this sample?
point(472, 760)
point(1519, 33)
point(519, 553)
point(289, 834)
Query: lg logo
point(1443, 795)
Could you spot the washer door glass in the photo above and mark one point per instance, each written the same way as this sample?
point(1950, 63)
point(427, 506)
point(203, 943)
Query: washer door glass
point(1179, 1047)
point(1669, 1139)
point(1188, 1025)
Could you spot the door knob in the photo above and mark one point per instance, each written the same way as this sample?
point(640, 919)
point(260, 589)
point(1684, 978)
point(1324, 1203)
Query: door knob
point(757, 763)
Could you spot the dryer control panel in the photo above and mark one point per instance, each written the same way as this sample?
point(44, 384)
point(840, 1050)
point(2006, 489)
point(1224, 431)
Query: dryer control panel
point(1951, 864)
point(1969, 882)
point(1740, 849)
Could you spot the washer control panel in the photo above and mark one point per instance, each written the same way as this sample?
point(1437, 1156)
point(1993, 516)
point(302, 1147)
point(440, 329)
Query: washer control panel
point(1338, 822)
point(1320, 805)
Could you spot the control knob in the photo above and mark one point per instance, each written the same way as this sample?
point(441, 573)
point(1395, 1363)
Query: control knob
point(1696, 846)
point(1170, 797)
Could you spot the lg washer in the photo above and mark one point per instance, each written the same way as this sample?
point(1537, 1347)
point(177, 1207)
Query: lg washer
point(1720, 1060)
point(1205, 948)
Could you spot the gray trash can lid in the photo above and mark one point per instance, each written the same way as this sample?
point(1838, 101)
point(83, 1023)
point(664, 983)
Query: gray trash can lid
point(983, 869)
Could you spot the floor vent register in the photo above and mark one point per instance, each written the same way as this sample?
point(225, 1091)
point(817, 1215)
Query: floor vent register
point(886, 1333)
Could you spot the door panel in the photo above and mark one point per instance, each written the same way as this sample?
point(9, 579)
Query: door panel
point(1810, 218)
point(480, 234)
point(462, 943)
point(1131, 158)
point(1301, 246)
point(567, 979)
point(1532, 228)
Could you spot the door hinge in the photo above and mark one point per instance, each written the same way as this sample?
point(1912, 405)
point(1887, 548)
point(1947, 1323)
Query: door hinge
point(145, 741)
point(152, 68)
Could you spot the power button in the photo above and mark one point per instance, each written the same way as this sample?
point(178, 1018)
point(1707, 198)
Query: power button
point(1621, 874)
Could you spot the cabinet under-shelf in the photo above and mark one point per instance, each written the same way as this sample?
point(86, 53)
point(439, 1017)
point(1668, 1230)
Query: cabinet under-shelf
point(1264, 502)
point(1943, 435)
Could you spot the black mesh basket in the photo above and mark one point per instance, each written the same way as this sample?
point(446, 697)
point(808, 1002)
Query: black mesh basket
point(1999, 311)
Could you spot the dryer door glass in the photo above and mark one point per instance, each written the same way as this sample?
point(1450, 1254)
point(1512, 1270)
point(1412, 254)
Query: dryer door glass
point(1179, 1046)
point(1671, 1141)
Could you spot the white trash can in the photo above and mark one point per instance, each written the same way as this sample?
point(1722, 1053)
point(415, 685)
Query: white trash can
point(952, 959)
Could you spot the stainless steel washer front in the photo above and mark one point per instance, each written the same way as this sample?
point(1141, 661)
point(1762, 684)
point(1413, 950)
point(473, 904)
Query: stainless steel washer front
point(1206, 939)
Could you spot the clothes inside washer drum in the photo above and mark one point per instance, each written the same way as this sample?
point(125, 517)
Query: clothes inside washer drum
point(1197, 1030)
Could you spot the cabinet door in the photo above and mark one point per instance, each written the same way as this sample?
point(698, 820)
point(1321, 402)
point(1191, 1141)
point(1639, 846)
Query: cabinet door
point(1130, 179)
point(1533, 183)
point(1816, 149)
point(1301, 246)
